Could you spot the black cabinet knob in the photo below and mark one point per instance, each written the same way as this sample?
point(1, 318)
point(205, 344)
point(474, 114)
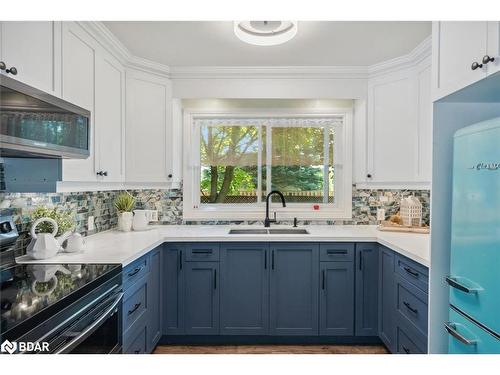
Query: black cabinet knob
point(105, 173)
point(170, 175)
point(12, 71)
point(475, 65)
point(368, 175)
point(102, 173)
point(487, 59)
point(2, 65)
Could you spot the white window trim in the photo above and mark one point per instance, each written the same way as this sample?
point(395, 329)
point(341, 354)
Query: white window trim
point(191, 165)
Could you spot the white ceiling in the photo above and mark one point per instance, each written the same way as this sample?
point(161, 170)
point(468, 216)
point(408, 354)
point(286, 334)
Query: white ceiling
point(325, 43)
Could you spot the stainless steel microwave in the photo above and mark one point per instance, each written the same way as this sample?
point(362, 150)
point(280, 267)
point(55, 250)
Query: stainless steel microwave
point(36, 124)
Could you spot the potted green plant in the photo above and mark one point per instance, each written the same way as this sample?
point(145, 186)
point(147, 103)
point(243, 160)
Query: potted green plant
point(124, 204)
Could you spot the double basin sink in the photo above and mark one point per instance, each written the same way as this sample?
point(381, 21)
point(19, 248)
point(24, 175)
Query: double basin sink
point(269, 231)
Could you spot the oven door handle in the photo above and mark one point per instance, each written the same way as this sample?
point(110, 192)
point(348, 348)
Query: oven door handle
point(92, 327)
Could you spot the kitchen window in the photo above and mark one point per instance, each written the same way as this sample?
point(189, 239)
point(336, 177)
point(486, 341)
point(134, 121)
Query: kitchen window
point(234, 159)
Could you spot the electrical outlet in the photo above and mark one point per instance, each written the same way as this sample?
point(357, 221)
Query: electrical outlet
point(380, 214)
point(90, 223)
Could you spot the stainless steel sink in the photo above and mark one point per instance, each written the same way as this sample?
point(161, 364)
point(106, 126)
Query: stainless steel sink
point(288, 231)
point(248, 231)
point(269, 231)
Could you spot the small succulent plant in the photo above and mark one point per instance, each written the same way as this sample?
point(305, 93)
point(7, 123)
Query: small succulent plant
point(64, 220)
point(124, 202)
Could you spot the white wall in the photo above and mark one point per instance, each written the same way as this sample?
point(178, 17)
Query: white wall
point(268, 88)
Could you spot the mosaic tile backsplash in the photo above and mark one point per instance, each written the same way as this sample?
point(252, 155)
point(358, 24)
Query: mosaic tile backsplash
point(169, 205)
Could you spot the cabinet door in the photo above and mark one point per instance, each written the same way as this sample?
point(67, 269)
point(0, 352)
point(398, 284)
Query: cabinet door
point(493, 46)
point(392, 115)
point(149, 113)
point(78, 88)
point(387, 304)
point(336, 301)
point(34, 49)
point(109, 116)
point(244, 299)
point(366, 290)
point(294, 289)
point(201, 298)
point(456, 45)
point(173, 290)
point(154, 299)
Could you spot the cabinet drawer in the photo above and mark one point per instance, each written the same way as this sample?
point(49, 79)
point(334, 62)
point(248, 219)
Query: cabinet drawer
point(202, 252)
point(135, 271)
point(135, 343)
point(406, 345)
point(412, 304)
point(134, 304)
point(413, 272)
point(336, 252)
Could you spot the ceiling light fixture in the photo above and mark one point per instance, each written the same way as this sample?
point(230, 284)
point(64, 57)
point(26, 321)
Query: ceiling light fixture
point(265, 33)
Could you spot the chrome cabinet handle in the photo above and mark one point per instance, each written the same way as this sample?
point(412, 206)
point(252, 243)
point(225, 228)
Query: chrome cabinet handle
point(457, 285)
point(451, 329)
point(323, 280)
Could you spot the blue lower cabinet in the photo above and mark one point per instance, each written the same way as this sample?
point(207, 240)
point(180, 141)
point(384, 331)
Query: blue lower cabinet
point(201, 298)
point(244, 289)
point(336, 299)
point(154, 299)
point(173, 289)
point(387, 303)
point(366, 322)
point(294, 289)
point(134, 341)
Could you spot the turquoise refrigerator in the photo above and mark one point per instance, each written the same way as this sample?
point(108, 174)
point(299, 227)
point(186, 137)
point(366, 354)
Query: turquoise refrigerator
point(474, 280)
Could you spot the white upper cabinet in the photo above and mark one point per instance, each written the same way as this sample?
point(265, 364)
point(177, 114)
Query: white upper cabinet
point(34, 50)
point(109, 118)
point(399, 137)
point(78, 88)
point(148, 127)
point(94, 80)
point(461, 52)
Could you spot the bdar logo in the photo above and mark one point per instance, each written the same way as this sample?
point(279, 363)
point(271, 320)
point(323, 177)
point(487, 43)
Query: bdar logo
point(8, 347)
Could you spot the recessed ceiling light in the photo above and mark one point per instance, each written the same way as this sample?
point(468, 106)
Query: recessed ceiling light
point(265, 33)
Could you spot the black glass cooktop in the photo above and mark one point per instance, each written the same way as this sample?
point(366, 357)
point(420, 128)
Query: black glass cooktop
point(29, 290)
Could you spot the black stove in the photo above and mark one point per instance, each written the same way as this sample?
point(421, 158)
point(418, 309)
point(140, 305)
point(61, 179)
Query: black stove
point(36, 296)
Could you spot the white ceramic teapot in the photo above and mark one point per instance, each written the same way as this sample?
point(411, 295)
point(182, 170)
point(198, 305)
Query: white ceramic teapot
point(45, 245)
point(75, 243)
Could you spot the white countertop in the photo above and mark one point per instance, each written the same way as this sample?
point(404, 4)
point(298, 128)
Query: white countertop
point(125, 247)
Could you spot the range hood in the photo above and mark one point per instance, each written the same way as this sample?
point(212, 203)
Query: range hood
point(34, 124)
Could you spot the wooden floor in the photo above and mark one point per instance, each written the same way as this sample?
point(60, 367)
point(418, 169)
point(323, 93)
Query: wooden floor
point(270, 349)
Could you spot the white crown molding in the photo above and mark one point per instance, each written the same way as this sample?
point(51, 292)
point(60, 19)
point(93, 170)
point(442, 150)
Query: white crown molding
point(419, 53)
point(270, 72)
point(111, 43)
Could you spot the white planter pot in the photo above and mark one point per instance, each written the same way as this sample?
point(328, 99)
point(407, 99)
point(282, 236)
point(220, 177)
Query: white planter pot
point(125, 221)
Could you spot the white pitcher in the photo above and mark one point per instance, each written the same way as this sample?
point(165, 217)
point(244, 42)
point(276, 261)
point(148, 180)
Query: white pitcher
point(142, 218)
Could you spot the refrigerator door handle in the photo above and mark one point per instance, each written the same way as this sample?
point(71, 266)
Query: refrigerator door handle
point(451, 329)
point(453, 282)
